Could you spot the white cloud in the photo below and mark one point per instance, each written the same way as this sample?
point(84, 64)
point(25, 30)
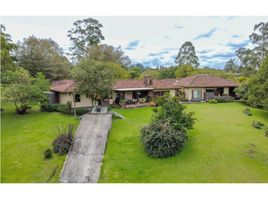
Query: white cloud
point(155, 34)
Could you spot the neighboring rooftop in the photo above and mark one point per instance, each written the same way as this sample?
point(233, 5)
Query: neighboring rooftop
point(198, 80)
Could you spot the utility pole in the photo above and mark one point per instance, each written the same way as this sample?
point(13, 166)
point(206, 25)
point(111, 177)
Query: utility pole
point(74, 99)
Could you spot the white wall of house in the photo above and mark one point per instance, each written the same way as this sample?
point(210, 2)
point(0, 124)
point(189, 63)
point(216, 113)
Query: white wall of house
point(172, 92)
point(188, 94)
point(84, 101)
point(226, 91)
point(64, 98)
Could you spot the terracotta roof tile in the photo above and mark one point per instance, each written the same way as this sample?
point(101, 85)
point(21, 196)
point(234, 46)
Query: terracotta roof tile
point(63, 86)
point(123, 84)
point(199, 80)
point(205, 80)
point(166, 84)
point(156, 84)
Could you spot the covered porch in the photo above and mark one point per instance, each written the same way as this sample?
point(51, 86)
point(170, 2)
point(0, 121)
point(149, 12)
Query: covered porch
point(133, 97)
point(219, 91)
point(199, 94)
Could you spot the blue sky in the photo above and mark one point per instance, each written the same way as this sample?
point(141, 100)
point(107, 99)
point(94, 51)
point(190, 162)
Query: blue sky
point(152, 41)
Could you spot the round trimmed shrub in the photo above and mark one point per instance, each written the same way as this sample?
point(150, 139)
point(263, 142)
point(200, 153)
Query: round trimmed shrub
point(247, 111)
point(257, 124)
point(47, 154)
point(161, 140)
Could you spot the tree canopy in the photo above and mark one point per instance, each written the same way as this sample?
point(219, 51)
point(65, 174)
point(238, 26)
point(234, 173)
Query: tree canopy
point(43, 55)
point(108, 53)
point(24, 90)
point(251, 59)
point(187, 55)
point(95, 79)
point(231, 66)
point(134, 72)
point(7, 49)
point(154, 73)
point(185, 70)
point(254, 65)
point(167, 72)
point(170, 108)
point(257, 94)
point(84, 34)
point(118, 71)
point(260, 39)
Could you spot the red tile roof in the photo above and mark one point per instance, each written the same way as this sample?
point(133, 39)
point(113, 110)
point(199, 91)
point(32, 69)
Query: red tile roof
point(63, 86)
point(123, 84)
point(199, 80)
point(205, 80)
point(166, 84)
point(156, 84)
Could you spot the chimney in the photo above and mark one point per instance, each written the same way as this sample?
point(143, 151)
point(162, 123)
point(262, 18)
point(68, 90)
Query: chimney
point(147, 81)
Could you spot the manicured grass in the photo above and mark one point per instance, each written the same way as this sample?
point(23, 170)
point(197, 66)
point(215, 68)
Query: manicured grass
point(23, 141)
point(222, 147)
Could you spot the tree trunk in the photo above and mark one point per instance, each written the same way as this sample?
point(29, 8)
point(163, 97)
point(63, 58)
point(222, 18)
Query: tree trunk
point(22, 109)
point(92, 101)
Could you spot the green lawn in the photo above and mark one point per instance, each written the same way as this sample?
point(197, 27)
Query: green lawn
point(23, 141)
point(217, 150)
point(222, 147)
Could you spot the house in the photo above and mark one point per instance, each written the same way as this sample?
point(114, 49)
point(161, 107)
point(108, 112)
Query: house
point(63, 91)
point(198, 87)
point(203, 86)
point(195, 88)
point(136, 89)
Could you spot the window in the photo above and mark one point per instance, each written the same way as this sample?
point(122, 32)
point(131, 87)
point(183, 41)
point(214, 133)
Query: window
point(210, 90)
point(160, 93)
point(77, 98)
point(197, 94)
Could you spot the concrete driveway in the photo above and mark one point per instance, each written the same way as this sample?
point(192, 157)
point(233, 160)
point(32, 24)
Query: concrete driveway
point(83, 162)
